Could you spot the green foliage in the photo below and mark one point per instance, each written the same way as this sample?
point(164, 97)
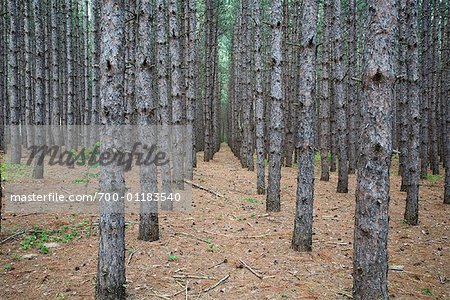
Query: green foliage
point(427, 291)
point(13, 171)
point(434, 178)
point(173, 257)
point(251, 200)
point(6, 266)
point(38, 237)
point(211, 245)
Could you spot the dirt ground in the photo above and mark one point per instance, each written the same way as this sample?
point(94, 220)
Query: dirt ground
point(223, 234)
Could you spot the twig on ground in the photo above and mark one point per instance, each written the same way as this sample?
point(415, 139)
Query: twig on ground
point(217, 283)
point(130, 257)
point(251, 270)
point(14, 235)
point(204, 188)
point(218, 264)
point(191, 276)
point(192, 237)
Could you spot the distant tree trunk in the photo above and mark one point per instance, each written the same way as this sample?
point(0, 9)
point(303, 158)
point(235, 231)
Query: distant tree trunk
point(433, 86)
point(55, 96)
point(86, 76)
point(411, 170)
point(259, 102)
point(302, 236)
point(29, 106)
point(95, 66)
point(70, 107)
point(447, 116)
point(111, 255)
point(352, 95)
point(147, 115)
point(39, 117)
point(425, 79)
point(402, 96)
point(191, 86)
point(209, 82)
point(370, 259)
point(339, 100)
point(13, 78)
point(3, 99)
point(276, 112)
point(176, 94)
point(325, 94)
point(163, 97)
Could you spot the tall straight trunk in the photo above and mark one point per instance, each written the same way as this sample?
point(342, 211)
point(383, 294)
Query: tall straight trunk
point(412, 65)
point(55, 96)
point(29, 106)
point(147, 115)
point(402, 96)
point(86, 64)
point(352, 95)
point(425, 72)
point(130, 53)
point(434, 155)
point(209, 82)
point(259, 102)
point(39, 110)
point(276, 111)
point(302, 236)
point(95, 64)
point(111, 280)
point(339, 100)
point(447, 113)
point(370, 258)
point(176, 94)
point(191, 84)
point(163, 97)
point(3, 99)
point(13, 78)
point(325, 94)
point(70, 106)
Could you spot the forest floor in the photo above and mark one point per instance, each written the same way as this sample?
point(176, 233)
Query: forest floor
point(221, 236)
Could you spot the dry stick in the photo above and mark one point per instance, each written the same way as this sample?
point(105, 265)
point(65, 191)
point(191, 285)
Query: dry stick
point(186, 276)
point(130, 257)
point(217, 284)
point(251, 270)
point(13, 236)
point(186, 290)
point(192, 237)
point(218, 264)
point(204, 188)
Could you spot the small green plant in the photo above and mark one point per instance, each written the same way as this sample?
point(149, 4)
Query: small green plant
point(173, 257)
point(433, 178)
point(252, 215)
point(12, 171)
point(16, 256)
point(211, 245)
point(427, 291)
point(251, 200)
point(6, 266)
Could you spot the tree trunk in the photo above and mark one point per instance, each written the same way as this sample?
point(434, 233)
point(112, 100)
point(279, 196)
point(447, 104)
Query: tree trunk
point(370, 259)
point(434, 155)
point(302, 236)
point(339, 100)
point(447, 116)
point(147, 115)
point(209, 82)
point(39, 116)
point(259, 102)
point(276, 112)
point(13, 78)
point(70, 107)
point(111, 255)
point(412, 62)
point(95, 66)
point(325, 94)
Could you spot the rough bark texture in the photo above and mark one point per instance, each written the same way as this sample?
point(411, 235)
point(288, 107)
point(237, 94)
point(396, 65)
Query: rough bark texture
point(147, 115)
point(370, 259)
point(325, 94)
point(163, 97)
point(259, 103)
point(70, 107)
point(111, 255)
point(447, 116)
point(276, 111)
point(39, 88)
point(340, 100)
point(13, 89)
point(209, 83)
point(302, 236)
point(95, 65)
point(412, 167)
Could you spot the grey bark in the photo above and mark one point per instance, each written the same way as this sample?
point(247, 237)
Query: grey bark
point(147, 115)
point(433, 126)
point(55, 96)
point(70, 106)
point(325, 94)
point(302, 236)
point(370, 258)
point(259, 102)
point(39, 89)
point(163, 97)
point(209, 83)
point(29, 106)
point(340, 100)
point(352, 95)
point(412, 168)
point(276, 111)
point(95, 66)
point(447, 114)
point(13, 89)
point(110, 281)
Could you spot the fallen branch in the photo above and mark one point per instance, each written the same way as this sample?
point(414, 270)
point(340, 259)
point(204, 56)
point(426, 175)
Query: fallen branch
point(130, 257)
point(13, 236)
point(188, 276)
point(218, 264)
point(204, 188)
point(251, 270)
point(216, 284)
